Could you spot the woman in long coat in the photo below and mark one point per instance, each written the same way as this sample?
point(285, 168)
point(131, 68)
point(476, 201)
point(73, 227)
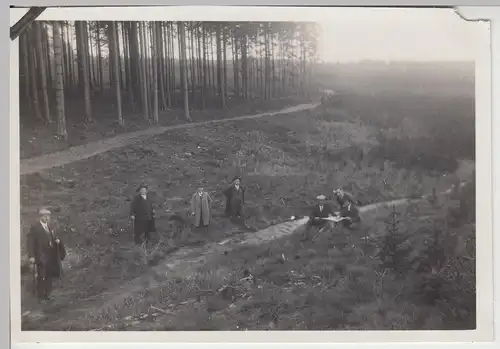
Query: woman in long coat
point(235, 198)
point(201, 208)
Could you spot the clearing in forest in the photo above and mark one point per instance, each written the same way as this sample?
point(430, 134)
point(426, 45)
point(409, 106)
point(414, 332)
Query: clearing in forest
point(285, 161)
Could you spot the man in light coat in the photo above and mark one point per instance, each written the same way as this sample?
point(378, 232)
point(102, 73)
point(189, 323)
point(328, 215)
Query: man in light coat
point(201, 208)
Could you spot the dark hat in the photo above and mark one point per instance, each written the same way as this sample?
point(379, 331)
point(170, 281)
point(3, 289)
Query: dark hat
point(141, 186)
point(236, 177)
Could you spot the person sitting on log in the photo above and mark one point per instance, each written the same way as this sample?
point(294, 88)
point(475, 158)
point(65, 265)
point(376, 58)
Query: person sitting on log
point(316, 219)
point(350, 213)
point(344, 198)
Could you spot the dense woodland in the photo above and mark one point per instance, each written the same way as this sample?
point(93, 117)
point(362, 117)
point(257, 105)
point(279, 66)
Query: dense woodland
point(148, 67)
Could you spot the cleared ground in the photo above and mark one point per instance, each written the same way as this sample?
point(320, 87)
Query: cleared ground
point(377, 147)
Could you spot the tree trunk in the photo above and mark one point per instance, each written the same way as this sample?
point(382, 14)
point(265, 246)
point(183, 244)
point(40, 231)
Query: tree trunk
point(33, 75)
point(66, 57)
point(220, 88)
point(113, 53)
point(155, 48)
point(43, 77)
point(182, 37)
point(58, 58)
point(92, 61)
point(173, 65)
point(161, 63)
point(47, 53)
point(144, 72)
point(205, 69)
point(71, 56)
point(149, 50)
point(192, 65)
point(79, 54)
point(128, 65)
point(135, 60)
point(212, 62)
point(244, 66)
point(236, 67)
point(224, 63)
point(168, 65)
point(85, 75)
point(87, 55)
point(99, 56)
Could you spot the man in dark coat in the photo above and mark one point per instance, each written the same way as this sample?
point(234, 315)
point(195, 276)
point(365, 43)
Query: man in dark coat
point(351, 212)
point(45, 253)
point(344, 198)
point(143, 215)
point(235, 199)
point(321, 210)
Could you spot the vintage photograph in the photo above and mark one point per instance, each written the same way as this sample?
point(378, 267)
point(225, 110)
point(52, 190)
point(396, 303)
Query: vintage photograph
point(248, 175)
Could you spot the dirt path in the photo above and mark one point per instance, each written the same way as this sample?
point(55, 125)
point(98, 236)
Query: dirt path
point(45, 162)
point(186, 261)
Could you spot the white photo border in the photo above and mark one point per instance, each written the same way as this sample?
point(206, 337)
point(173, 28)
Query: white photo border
point(484, 268)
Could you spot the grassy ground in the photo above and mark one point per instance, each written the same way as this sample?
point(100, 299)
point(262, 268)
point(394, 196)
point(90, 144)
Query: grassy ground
point(334, 282)
point(285, 162)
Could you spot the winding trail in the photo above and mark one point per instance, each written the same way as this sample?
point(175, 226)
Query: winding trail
point(60, 158)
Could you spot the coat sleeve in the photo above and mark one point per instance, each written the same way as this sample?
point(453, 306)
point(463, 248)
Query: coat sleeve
point(312, 213)
point(242, 195)
point(209, 200)
point(152, 208)
point(193, 199)
point(133, 206)
point(31, 243)
point(62, 250)
point(227, 193)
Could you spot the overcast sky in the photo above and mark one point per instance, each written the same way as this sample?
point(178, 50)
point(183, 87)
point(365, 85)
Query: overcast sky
point(352, 34)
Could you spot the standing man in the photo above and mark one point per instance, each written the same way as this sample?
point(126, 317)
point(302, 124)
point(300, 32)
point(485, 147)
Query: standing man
point(142, 215)
point(321, 210)
point(45, 253)
point(201, 208)
point(235, 199)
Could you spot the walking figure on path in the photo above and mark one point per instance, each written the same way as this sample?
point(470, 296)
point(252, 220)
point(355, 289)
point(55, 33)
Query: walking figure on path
point(142, 215)
point(45, 253)
point(201, 208)
point(235, 199)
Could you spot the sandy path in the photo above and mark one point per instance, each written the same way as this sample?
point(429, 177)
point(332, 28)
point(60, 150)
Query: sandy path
point(48, 161)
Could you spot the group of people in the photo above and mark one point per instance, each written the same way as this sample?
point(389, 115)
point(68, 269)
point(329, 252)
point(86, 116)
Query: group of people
point(46, 250)
point(347, 215)
point(143, 215)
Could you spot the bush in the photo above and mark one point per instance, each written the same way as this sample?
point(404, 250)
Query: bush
point(423, 153)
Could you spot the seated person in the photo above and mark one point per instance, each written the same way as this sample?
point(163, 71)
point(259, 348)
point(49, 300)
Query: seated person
point(344, 198)
point(320, 210)
point(352, 213)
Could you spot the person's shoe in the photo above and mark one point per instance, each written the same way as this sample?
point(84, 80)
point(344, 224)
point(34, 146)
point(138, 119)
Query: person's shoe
point(44, 299)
